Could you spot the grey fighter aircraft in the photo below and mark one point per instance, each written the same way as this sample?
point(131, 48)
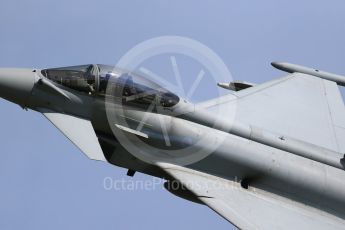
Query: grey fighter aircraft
point(266, 156)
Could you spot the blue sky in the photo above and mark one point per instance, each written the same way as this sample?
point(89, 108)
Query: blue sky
point(46, 183)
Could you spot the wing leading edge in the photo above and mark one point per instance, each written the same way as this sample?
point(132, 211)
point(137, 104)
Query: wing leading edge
point(250, 208)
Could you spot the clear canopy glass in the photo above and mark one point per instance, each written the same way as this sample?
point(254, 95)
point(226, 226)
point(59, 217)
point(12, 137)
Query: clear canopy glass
point(105, 80)
point(81, 78)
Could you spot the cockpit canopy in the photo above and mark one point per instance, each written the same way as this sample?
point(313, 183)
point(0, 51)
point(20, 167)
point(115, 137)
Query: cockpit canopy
point(105, 80)
point(81, 78)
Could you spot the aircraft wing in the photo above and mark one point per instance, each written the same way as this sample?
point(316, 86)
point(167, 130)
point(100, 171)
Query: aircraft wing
point(250, 208)
point(79, 131)
point(301, 106)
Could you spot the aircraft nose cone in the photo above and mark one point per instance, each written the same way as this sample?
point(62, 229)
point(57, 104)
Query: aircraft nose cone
point(16, 84)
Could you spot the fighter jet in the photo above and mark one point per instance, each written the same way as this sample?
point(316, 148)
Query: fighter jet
point(264, 156)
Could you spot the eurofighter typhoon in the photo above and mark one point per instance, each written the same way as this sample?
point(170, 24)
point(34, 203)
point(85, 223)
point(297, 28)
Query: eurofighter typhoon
point(265, 156)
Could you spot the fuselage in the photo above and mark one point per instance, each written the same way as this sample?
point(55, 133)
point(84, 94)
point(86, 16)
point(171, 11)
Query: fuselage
point(216, 152)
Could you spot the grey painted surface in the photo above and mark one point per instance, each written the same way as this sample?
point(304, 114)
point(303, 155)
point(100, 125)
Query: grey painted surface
point(303, 172)
point(247, 36)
